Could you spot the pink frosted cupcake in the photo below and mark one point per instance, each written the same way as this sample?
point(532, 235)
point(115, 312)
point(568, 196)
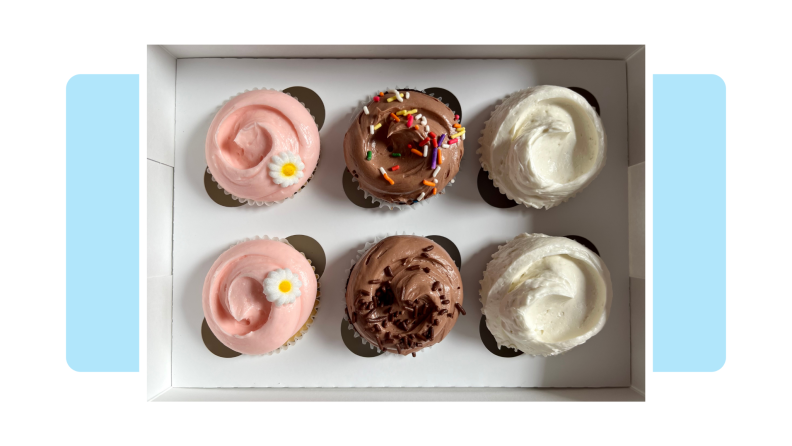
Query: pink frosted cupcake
point(260, 296)
point(262, 147)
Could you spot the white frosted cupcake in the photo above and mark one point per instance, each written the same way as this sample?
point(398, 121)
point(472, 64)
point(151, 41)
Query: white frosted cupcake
point(545, 295)
point(543, 145)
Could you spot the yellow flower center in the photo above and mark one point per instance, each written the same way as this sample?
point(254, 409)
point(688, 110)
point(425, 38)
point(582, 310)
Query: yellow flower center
point(285, 286)
point(288, 170)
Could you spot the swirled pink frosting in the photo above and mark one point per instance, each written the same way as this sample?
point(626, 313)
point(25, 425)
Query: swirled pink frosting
point(234, 304)
point(248, 131)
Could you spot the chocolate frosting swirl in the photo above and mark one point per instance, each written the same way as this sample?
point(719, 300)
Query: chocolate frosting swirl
point(393, 137)
point(404, 294)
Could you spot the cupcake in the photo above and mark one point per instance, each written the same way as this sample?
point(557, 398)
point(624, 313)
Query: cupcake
point(545, 295)
point(543, 145)
point(260, 296)
point(262, 147)
point(404, 294)
point(404, 147)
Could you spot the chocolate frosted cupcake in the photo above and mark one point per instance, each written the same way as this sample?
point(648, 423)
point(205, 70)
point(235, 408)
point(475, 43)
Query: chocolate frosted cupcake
point(404, 147)
point(404, 294)
point(543, 145)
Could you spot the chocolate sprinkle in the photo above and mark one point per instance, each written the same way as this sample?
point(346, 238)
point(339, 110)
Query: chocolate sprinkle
point(459, 307)
point(365, 293)
point(443, 311)
point(426, 270)
point(428, 248)
point(436, 322)
point(412, 268)
point(388, 271)
point(413, 353)
point(374, 281)
point(435, 286)
point(445, 302)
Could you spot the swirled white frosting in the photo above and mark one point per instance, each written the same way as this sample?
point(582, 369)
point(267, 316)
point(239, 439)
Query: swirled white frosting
point(544, 295)
point(543, 145)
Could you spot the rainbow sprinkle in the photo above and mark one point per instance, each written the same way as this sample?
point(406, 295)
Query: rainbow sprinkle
point(395, 97)
point(421, 197)
point(365, 110)
point(436, 171)
point(394, 168)
point(395, 118)
point(426, 151)
point(395, 155)
point(440, 141)
point(409, 120)
point(385, 175)
point(417, 152)
point(429, 183)
point(434, 159)
point(458, 134)
point(439, 156)
point(434, 191)
point(453, 141)
point(368, 155)
point(376, 127)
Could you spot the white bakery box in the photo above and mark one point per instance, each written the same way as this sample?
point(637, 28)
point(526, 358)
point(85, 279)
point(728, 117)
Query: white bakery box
point(187, 229)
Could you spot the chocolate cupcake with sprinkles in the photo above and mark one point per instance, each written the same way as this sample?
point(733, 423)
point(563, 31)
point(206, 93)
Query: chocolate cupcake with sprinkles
point(404, 147)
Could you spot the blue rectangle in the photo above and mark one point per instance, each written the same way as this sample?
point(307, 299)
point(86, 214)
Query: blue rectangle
point(102, 272)
point(689, 325)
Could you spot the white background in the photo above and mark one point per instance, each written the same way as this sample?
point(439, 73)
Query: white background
point(46, 44)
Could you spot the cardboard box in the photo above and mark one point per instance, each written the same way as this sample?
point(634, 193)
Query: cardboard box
point(186, 230)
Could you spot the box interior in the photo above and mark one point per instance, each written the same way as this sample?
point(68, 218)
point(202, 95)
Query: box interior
point(162, 70)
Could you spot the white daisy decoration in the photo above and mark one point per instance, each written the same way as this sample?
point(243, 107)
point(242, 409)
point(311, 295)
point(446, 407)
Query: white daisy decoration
point(282, 287)
point(286, 168)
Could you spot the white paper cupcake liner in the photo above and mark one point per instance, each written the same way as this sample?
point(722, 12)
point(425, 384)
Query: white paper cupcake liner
point(382, 203)
point(494, 180)
point(348, 271)
point(307, 325)
point(249, 201)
